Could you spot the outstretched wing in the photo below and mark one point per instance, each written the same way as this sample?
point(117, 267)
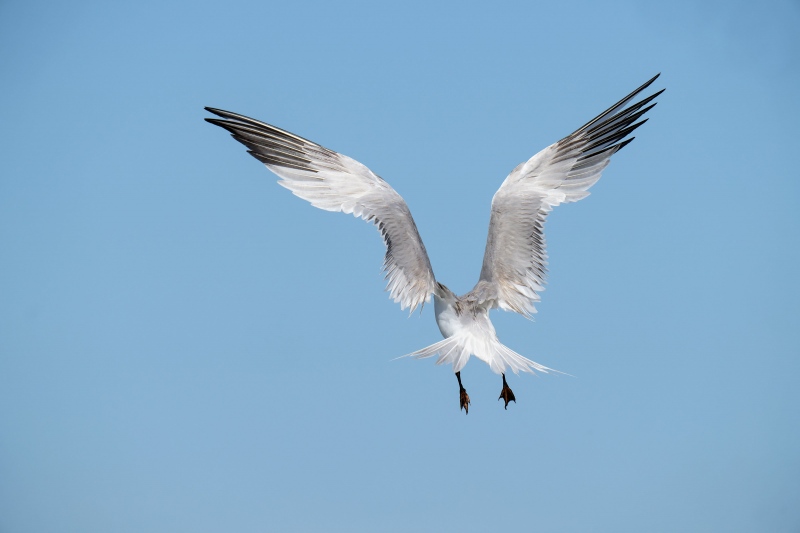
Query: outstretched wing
point(515, 260)
point(335, 182)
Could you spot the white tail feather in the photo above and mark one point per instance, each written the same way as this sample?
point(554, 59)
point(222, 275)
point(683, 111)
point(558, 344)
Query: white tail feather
point(456, 350)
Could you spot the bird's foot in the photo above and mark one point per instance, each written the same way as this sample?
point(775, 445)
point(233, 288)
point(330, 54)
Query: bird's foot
point(463, 394)
point(507, 394)
point(464, 400)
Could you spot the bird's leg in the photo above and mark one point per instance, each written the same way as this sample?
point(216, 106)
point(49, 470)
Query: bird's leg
point(464, 396)
point(507, 394)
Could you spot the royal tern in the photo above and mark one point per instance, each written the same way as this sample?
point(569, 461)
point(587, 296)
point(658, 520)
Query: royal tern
point(514, 263)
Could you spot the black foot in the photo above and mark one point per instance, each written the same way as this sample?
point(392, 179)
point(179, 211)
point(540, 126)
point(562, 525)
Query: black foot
point(507, 394)
point(464, 397)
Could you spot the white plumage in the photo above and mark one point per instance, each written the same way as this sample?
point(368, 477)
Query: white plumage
point(514, 263)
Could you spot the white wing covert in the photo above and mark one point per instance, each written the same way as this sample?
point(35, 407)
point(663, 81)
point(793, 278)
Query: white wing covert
point(515, 260)
point(335, 182)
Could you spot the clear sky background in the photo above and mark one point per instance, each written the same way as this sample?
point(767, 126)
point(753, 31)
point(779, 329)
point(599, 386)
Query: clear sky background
point(186, 347)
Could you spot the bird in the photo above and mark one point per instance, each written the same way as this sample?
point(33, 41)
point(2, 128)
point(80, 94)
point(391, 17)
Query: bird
point(515, 259)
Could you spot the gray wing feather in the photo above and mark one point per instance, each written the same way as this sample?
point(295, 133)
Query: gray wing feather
point(515, 260)
point(335, 182)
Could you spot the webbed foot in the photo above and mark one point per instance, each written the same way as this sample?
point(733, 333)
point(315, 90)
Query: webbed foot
point(507, 394)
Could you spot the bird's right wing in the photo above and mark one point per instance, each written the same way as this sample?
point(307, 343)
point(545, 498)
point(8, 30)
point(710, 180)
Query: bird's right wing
point(515, 260)
point(335, 182)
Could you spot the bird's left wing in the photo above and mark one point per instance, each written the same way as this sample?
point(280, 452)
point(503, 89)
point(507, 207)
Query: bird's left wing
point(335, 182)
point(515, 260)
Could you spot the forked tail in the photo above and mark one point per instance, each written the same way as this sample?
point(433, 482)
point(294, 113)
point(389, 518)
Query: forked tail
point(456, 350)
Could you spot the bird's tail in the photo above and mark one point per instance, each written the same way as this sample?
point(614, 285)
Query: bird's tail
point(456, 350)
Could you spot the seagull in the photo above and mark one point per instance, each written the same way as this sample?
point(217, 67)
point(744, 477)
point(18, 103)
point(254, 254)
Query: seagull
point(515, 260)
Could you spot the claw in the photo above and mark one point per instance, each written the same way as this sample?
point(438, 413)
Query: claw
point(507, 394)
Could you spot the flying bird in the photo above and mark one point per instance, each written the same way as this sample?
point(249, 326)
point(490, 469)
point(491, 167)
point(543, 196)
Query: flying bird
point(515, 260)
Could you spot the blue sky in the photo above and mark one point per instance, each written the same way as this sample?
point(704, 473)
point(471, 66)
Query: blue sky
point(184, 346)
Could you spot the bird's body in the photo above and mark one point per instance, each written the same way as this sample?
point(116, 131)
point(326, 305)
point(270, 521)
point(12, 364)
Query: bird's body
point(467, 330)
point(514, 263)
point(469, 321)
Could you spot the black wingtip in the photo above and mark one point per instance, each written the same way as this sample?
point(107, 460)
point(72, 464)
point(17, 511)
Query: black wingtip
point(619, 105)
point(645, 85)
point(623, 144)
point(219, 122)
point(641, 88)
point(216, 111)
point(651, 80)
